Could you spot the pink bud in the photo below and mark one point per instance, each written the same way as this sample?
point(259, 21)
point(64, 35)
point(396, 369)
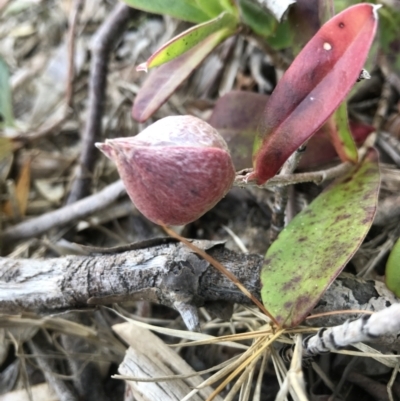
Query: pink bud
point(175, 170)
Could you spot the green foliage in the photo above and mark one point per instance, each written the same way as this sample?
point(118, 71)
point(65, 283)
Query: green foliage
point(317, 244)
point(6, 112)
point(392, 272)
point(389, 35)
point(343, 140)
point(185, 10)
point(226, 23)
point(211, 8)
point(257, 18)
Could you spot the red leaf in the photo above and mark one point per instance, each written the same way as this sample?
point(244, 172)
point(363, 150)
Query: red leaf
point(236, 116)
point(164, 81)
point(313, 87)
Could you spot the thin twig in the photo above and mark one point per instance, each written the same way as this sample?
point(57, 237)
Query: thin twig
point(77, 8)
point(105, 40)
point(64, 215)
point(40, 348)
point(282, 196)
point(317, 177)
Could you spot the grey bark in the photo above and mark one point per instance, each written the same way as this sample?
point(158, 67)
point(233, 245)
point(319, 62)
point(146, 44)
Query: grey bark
point(161, 271)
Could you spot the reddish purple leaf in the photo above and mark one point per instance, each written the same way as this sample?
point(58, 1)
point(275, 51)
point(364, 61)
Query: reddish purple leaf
point(313, 87)
point(163, 81)
point(236, 116)
point(320, 149)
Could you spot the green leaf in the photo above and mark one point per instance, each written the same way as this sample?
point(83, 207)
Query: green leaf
point(180, 44)
point(318, 243)
point(6, 111)
point(257, 18)
point(211, 8)
point(341, 136)
point(229, 5)
point(392, 272)
point(281, 38)
point(185, 10)
point(389, 35)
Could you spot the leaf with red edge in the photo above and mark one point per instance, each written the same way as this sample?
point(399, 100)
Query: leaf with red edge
point(225, 22)
point(164, 81)
point(313, 87)
point(318, 243)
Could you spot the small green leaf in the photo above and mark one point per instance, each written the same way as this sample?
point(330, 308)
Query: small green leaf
point(6, 111)
point(393, 270)
point(180, 44)
point(257, 18)
point(318, 243)
point(185, 10)
point(229, 5)
point(281, 38)
point(341, 136)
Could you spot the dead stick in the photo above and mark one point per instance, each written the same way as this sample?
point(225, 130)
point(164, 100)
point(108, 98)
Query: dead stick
point(164, 273)
point(106, 38)
point(77, 8)
point(64, 215)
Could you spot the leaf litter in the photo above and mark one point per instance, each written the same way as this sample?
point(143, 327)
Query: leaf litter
point(43, 134)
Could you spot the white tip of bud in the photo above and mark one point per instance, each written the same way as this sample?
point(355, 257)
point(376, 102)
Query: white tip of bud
point(142, 67)
point(375, 8)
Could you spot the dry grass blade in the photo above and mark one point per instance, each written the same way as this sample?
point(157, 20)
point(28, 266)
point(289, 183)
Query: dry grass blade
point(50, 323)
point(248, 373)
point(186, 335)
point(368, 352)
point(257, 390)
point(262, 346)
point(294, 381)
point(221, 340)
point(175, 377)
point(391, 381)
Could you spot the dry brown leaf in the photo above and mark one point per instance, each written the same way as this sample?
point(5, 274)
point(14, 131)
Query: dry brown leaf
point(21, 191)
